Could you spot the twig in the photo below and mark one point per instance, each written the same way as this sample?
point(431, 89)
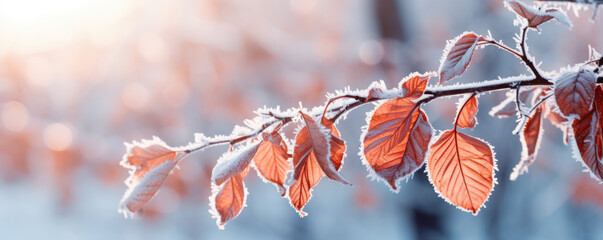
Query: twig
point(525, 56)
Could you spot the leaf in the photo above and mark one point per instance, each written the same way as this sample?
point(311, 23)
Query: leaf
point(530, 141)
point(461, 168)
point(150, 162)
point(337, 144)
point(270, 160)
point(535, 17)
point(307, 170)
point(415, 84)
point(228, 199)
point(574, 92)
point(587, 136)
point(233, 162)
point(319, 139)
point(396, 140)
point(457, 56)
point(466, 117)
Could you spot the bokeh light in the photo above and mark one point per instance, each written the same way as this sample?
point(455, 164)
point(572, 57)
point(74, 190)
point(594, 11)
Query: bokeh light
point(58, 136)
point(14, 116)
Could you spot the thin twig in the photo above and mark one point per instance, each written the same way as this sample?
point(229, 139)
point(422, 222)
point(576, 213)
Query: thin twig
point(525, 56)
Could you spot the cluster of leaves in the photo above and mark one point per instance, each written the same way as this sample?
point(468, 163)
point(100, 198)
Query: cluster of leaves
point(398, 138)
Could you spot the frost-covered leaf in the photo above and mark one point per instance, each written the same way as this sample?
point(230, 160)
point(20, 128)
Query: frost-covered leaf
point(311, 143)
point(530, 137)
point(587, 136)
point(227, 200)
point(233, 162)
point(396, 140)
point(319, 141)
point(414, 84)
point(535, 17)
point(574, 91)
point(150, 163)
point(457, 56)
point(270, 160)
point(461, 168)
point(466, 117)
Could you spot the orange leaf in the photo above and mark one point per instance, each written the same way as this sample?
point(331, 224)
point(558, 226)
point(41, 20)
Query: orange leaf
point(150, 162)
point(415, 84)
point(530, 141)
point(337, 144)
point(461, 168)
point(233, 162)
point(587, 136)
point(307, 169)
point(466, 117)
point(574, 92)
point(319, 143)
point(535, 17)
point(396, 140)
point(228, 199)
point(271, 160)
point(457, 56)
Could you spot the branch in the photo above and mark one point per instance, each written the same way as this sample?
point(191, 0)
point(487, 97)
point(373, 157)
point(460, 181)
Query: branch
point(430, 94)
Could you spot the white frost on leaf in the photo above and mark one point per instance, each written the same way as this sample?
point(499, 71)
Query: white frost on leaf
point(457, 55)
point(532, 17)
point(575, 91)
point(233, 162)
point(150, 163)
point(593, 54)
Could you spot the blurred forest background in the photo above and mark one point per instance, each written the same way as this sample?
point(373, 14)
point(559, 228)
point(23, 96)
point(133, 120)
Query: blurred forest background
point(78, 78)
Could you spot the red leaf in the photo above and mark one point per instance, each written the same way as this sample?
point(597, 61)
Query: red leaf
point(415, 84)
point(466, 117)
point(233, 162)
point(574, 92)
point(396, 140)
point(530, 141)
point(312, 157)
point(587, 136)
point(457, 56)
point(228, 199)
point(461, 168)
point(270, 160)
point(535, 17)
point(150, 162)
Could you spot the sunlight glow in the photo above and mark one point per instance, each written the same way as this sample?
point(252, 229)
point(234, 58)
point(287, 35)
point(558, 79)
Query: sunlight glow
point(36, 25)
